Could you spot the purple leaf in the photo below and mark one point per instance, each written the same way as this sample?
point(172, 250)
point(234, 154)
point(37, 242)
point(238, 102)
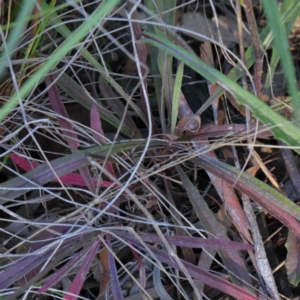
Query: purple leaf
point(202, 275)
point(64, 165)
point(76, 286)
point(275, 203)
point(59, 108)
point(63, 271)
point(191, 242)
point(67, 128)
point(23, 266)
point(293, 258)
point(115, 283)
point(96, 125)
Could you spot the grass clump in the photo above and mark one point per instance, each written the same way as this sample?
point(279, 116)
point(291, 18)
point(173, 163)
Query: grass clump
point(144, 159)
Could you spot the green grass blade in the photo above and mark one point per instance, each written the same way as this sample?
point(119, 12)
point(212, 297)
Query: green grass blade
point(282, 47)
point(43, 174)
point(281, 127)
point(58, 54)
point(17, 31)
point(65, 32)
point(289, 14)
point(176, 95)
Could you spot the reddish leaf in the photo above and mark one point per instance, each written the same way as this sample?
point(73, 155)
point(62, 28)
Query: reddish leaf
point(63, 271)
point(44, 173)
point(59, 108)
point(76, 286)
point(191, 242)
point(228, 196)
point(72, 179)
point(96, 125)
point(115, 283)
point(232, 259)
point(67, 128)
point(275, 203)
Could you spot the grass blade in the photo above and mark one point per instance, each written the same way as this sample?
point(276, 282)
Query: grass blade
point(58, 54)
point(282, 47)
point(281, 127)
point(14, 38)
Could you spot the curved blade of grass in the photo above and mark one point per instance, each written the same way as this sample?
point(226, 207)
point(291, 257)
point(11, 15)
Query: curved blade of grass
point(14, 37)
point(66, 32)
point(231, 258)
point(201, 274)
point(281, 127)
point(72, 40)
point(275, 203)
point(45, 173)
point(176, 96)
point(282, 47)
point(77, 283)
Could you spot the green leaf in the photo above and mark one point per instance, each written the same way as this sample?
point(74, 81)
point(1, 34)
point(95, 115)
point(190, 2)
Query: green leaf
point(60, 27)
point(176, 96)
point(15, 34)
point(72, 40)
point(281, 127)
point(289, 13)
point(282, 47)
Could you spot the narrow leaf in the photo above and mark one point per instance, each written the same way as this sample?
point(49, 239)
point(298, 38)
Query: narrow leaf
point(281, 127)
point(44, 173)
point(191, 242)
point(62, 114)
point(232, 259)
point(72, 179)
point(77, 284)
point(282, 47)
point(276, 204)
point(115, 283)
point(203, 275)
point(176, 95)
point(63, 271)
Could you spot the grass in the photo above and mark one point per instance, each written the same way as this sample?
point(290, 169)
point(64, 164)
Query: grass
point(139, 163)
